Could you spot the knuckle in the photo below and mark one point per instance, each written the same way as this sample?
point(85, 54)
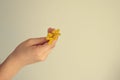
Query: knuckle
point(42, 59)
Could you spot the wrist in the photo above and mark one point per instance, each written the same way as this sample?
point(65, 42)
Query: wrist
point(9, 68)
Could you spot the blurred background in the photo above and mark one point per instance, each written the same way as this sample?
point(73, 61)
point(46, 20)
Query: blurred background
point(88, 49)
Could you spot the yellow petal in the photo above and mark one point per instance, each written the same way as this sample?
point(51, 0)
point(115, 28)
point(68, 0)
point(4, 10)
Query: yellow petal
point(50, 34)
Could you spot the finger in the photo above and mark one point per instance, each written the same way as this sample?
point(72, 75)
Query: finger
point(37, 41)
point(47, 46)
point(54, 42)
point(50, 30)
point(47, 50)
point(45, 55)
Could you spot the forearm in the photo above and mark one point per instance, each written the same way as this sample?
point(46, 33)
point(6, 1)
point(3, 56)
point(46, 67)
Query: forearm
point(9, 68)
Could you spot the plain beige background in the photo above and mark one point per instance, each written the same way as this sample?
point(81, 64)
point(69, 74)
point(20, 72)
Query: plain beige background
point(88, 49)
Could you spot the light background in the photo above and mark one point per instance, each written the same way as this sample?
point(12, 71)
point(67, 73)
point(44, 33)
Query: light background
point(88, 49)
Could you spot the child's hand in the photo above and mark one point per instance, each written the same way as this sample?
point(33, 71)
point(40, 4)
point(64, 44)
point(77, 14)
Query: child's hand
point(32, 50)
point(28, 52)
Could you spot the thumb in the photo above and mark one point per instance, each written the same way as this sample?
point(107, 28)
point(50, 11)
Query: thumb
point(37, 41)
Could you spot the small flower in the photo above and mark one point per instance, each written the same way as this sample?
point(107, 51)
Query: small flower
point(53, 36)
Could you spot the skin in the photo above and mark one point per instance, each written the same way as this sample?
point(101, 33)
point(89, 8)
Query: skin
point(28, 52)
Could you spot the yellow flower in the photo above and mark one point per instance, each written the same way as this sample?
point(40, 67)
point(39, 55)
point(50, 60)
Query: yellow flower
point(53, 36)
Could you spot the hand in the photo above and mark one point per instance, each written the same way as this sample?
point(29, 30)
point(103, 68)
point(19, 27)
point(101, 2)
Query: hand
point(28, 52)
point(32, 50)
